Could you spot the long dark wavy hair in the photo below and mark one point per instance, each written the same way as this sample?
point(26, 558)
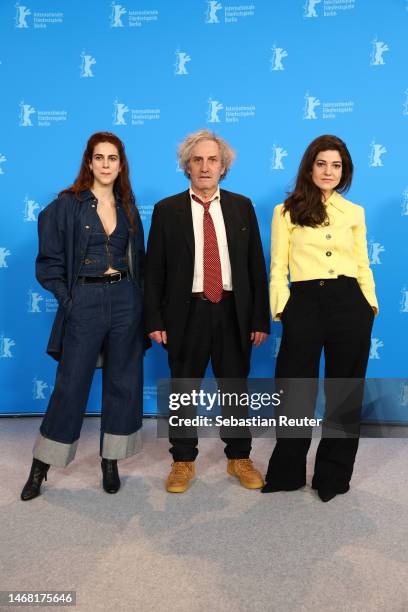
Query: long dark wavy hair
point(304, 203)
point(121, 187)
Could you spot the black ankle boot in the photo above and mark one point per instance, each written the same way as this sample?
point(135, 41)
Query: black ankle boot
point(32, 487)
point(110, 480)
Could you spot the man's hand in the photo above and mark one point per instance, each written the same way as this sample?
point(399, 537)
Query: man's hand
point(257, 338)
point(159, 336)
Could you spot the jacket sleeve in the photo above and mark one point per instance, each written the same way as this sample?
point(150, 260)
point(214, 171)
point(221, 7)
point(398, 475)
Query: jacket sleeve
point(147, 343)
point(259, 278)
point(279, 287)
point(155, 274)
point(364, 274)
point(140, 250)
point(50, 265)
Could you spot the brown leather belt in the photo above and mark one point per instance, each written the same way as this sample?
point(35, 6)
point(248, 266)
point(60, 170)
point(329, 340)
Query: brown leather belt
point(200, 295)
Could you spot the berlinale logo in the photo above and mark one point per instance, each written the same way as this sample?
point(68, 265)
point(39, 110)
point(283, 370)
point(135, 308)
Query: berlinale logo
point(377, 51)
point(26, 110)
point(39, 386)
point(30, 208)
point(376, 152)
point(276, 342)
point(3, 158)
point(374, 249)
point(404, 300)
point(181, 60)
point(212, 9)
point(119, 113)
point(404, 203)
point(34, 301)
point(311, 103)
point(404, 394)
point(87, 61)
point(4, 253)
point(278, 54)
point(278, 154)
point(21, 16)
point(405, 105)
point(376, 344)
point(214, 107)
point(310, 8)
point(116, 15)
point(5, 347)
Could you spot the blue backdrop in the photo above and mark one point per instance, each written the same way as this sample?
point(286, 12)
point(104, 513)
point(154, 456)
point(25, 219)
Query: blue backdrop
point(268, 76)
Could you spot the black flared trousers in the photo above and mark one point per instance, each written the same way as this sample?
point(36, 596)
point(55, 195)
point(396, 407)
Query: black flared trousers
point(333, 316)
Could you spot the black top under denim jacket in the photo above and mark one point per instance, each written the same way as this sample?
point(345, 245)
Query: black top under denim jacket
point(64, 229)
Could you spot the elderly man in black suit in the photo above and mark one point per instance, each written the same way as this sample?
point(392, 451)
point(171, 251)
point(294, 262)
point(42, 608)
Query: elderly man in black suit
point(206, 293)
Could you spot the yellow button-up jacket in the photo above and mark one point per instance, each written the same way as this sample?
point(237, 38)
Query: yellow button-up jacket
point(307, 253)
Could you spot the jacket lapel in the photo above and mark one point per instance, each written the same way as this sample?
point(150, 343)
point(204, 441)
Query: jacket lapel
point(88, 220)
point(186, 219)
point(230, 221)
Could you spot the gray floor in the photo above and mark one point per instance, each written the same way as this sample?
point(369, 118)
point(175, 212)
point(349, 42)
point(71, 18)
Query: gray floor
point(217, 547)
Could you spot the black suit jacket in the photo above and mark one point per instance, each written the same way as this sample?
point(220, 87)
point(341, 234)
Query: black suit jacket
point(170, 267)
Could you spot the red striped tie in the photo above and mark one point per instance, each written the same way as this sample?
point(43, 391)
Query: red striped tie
point(212, 262)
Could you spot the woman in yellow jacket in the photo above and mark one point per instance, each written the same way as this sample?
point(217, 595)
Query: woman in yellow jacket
point(319, 240)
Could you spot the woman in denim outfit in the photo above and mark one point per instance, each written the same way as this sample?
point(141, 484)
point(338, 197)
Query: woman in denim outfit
point(91, 252)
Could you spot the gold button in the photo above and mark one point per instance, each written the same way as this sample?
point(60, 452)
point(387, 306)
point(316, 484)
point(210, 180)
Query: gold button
point(331, 271)
point(328, 253)
point(321, 283)
point(328, 236)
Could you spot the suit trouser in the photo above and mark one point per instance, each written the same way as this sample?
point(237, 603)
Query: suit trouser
point(332, 315)
point(211, 332)
point(108, 316)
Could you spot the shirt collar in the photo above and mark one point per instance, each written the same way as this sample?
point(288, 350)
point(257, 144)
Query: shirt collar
point(88, 195)
point(336, 200)
point(215, 196)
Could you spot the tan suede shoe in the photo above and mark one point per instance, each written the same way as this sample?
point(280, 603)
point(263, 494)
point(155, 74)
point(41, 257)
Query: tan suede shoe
point(179, 478)
point(244, 470)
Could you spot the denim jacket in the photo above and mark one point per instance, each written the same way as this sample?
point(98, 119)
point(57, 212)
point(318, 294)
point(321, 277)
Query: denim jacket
point(64, 227)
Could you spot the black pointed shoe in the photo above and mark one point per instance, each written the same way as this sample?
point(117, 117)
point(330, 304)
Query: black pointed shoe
point(328, 493)
point(110, 480)
point(38, 473)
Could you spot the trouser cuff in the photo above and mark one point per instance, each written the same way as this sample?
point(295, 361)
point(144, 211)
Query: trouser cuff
point(55, 453)
point(120, 447)
point(232, 455)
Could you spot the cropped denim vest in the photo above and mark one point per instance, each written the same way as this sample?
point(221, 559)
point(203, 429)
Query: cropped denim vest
point(105, 251)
